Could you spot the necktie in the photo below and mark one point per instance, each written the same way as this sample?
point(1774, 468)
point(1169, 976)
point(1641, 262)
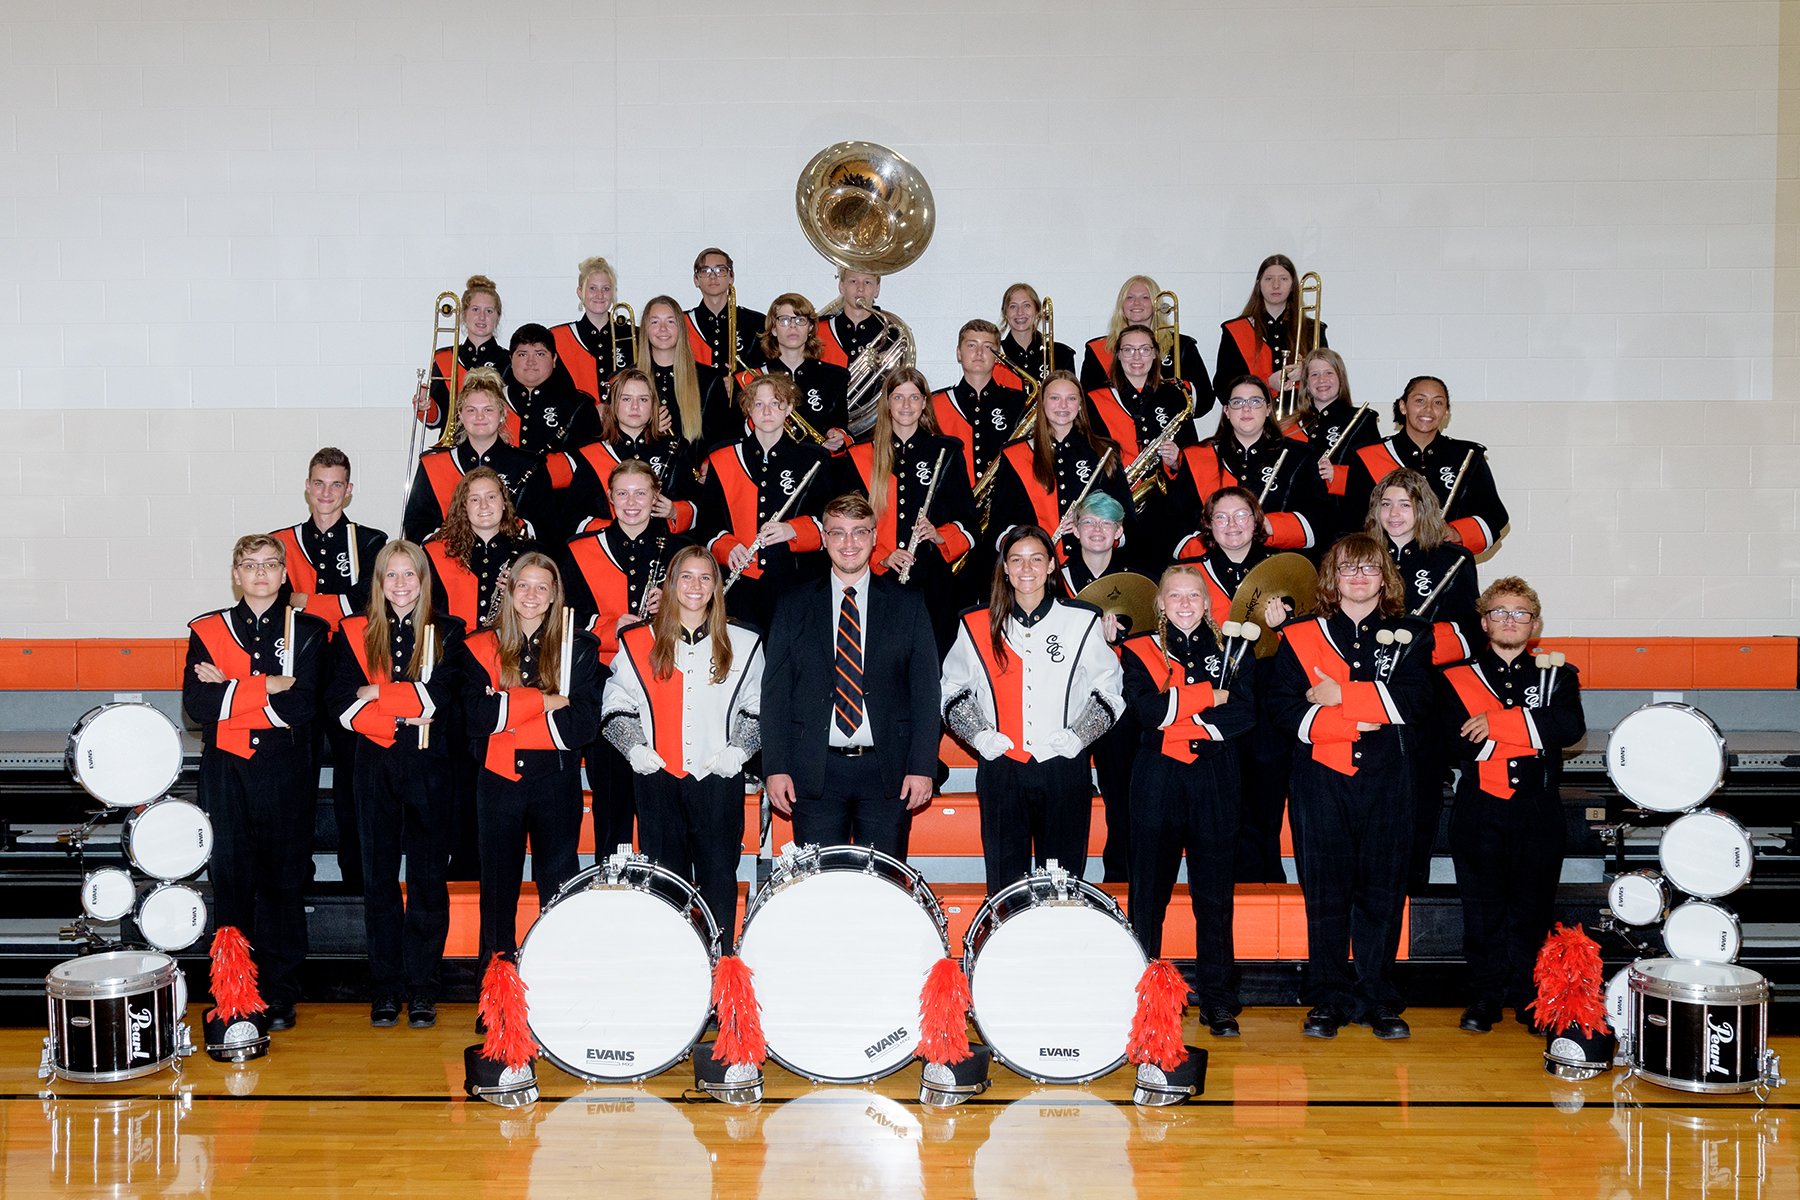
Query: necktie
point(848, 704)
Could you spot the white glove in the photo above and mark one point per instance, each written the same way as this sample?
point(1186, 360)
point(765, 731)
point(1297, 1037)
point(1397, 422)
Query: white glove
point(991, 744)
point(645, 761)
point(727, 762)
point(1065, 743)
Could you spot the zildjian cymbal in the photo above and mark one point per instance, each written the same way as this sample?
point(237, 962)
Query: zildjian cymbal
point(1127, 595)
point(1290, 576)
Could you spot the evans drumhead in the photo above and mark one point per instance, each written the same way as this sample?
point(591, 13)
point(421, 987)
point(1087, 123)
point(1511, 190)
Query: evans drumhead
point(1705, 854)
point(1053, 972)
point(841, 939)
point(1703, 930)
point(1666, 757)
point(107, 894)
point(619, 971)
point(114, 1016)
point(170, 839)
point(124, 754)
point(1638, 898)
point(172, 917)
point(1618, 1009)
point(1701, 1026)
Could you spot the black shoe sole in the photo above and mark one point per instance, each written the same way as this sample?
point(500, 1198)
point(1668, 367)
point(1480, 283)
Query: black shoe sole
point(1394, 1037)
point(1474, 1027)
point(280, 1025)
point(1225, 1031)
point(1318, 1033)
point(413, 1022)
point(384, 1023)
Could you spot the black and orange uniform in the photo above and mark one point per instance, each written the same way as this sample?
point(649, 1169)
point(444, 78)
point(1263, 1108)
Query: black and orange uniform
point(841, 340)
point(1325, 429)
point(1134, 419)
point(530, 778)
point(706, 336)
point(582, 478)
point(332, 569)
point(257, 781)
point(1478, 516)
point(1017, 362)
point(605, 575)
point(1184, 793)
point(1282, 471)
point(1507, 828)
point(1019, 499)
point(952, 515)
point(552, 417)
point(593, 355)
point(1244, 349)
point(407, 802)
point(468, 356)
point(982, 421)
point(822, 391)
point(720, 417)
point(1352, 809)
point(441, 470)
point(1097, 360)
point(745, 487)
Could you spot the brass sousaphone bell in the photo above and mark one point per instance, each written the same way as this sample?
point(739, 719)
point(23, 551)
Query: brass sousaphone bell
point(1126, 595)
point(1288, 576)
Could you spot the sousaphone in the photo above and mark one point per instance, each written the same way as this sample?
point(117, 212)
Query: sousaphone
point(1286, 576)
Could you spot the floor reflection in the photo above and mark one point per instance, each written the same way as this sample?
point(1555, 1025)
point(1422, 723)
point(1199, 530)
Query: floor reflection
point(582, 1142)
point(132, 1145)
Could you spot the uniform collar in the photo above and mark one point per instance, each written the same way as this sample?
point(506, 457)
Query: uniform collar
point(1028, 619)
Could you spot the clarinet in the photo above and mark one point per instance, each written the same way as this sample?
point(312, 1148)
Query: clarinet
point(499, 596)
point(659, 570)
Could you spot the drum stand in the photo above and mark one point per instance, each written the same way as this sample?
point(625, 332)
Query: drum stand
point(74, 842)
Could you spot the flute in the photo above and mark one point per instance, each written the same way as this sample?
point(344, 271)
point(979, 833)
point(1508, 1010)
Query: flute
point(1426, 605)
point(1456, 487)
point(1099, 470)
point(913, 543)
point(780, 515)
point(1343, 439)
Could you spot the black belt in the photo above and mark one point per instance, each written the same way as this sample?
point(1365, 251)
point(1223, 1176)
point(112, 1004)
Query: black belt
point(851, 751)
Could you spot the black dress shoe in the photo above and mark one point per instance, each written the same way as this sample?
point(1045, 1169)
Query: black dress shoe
point(1323, 1022)
point(1386, 1025)
point(384, 1013)
point(421, 1014)
point(1481, 1016)
point(1524, 1018)
point(1218, 1020)
point(282, 1016)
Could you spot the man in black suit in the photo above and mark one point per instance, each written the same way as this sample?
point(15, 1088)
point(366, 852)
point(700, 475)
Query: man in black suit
point(850, 694)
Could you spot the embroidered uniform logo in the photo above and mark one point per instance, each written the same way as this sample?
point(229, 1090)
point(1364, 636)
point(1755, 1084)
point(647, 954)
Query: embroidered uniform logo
point(548, 417)
point(1422, 582)
point(1531, 697)
point(1211, 663)
point(1384, 662)
point(1162, 416)
point(1053, 648)
point(343, 563)
point(1448, 475)
point(921, 471)
point(786, 483)
point(280, 646)
point(997, 418)
point(815, 401)
point(1719, 1034)
point(1268, 474)
point(1083, 470)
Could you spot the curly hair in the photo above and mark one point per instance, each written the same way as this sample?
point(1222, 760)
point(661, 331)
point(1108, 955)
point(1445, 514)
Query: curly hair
point(457, 534)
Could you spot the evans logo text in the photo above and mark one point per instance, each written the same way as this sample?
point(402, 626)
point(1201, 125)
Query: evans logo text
point(611, 1055)
point(1058, 1052)
point(892, 1039)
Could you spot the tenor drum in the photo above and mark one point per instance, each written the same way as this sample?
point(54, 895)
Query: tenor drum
point(841, 939)
point(1666, 757)
point(172, 917)
point(108, 894)
point(1701, 1026)
point(124, 755)
point(169, 840)
point(1706, 854)
point(1638, 898)
point(619, 971)
point(1053, 972)
point(114, 1016)
point(1703, 930)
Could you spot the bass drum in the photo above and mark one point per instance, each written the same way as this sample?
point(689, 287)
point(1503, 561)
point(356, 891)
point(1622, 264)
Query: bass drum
point(124, 755)
point(1706, 854)
point(1053, 972)
point(619, 971)
point(1666, 757)
point(1701, 1026)
point(114, 1016)
point(169, 840)
point(841, 939)
point(1703, 930)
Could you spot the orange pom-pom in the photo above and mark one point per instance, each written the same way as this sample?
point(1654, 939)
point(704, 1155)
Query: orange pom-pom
point(504, 1009)
point(234, 989)
point(1570, 991)
point(944, 1014)
point(740, 1040)
point(1156, 1028)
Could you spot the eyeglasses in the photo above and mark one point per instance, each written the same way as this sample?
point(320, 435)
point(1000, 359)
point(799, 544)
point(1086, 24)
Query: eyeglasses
point(790, 321)
point(1517, 616)
point(262, 566)
point(1242, 517)
point(1247, 402)
point(1096, 523)
point(1352, 570)
point(713, 272)
point(1137, 351)
point(860, 533)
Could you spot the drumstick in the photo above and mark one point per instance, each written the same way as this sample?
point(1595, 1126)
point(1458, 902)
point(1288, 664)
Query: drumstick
point(425, 677)
point(350, 536)
point(287, 644)
point(568, 652)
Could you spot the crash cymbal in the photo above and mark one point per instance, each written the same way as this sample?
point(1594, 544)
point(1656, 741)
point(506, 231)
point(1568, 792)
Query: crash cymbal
point(1290, 576)
point(1127, 595)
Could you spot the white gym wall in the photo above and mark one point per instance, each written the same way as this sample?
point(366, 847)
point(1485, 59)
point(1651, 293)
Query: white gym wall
point(220, 234)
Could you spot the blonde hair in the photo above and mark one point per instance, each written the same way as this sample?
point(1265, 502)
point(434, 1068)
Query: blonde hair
point(252, 542)
point(511, 634)
point(1162, 616)
point(687, 375)
point(483, 379)
point(588, 268)
point(381, 614)
point(480, 285)
point(1118, 323)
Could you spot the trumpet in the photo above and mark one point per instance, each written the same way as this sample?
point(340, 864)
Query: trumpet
point(448, 306)
point(1165, 320)
point(1141, 474)
point(799, 427)
point(659, 571)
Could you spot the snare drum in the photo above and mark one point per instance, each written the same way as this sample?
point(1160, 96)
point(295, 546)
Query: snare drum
point(114, 1016)
point(170, 839)
point(1618, 1010)
point(619, 971)
point(841, 939)
point(1638, 898)
point(172, 917)
point(108, 894)
point(1703, 930)
point(1053, 972)
point(1700, 1026)
point(1666, 757)
point(124, 754)
point(1706, 854)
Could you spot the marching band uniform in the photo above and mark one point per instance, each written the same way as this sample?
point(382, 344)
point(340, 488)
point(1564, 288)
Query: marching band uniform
point(582, 478)
point(1018, 498)
point(468, 356)
point(691, 806)
point(1134, 419)
point(257, 782)
point(745, 487)
point(1438, 462)
point(1184, 793)
point(593, 356)
point(551, 417)
point(841, 341)
point(1507, 828)
point(1283, 471)
point(821, 390)
point(1352, 808)
point(466, 592)
point(719, 417)
point(1058, 690)
point(952, 515)
point(706, 336)
point(440, 470)
point(1245, 350)
point(1096, 370)
point(983, 421)
point(530, 781)
point(406, 799)
point(1016, 363)
point(1323, 431)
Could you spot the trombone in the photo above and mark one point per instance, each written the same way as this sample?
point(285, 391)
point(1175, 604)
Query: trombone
point(629, 321)
point(446, 317)
point(1165, 322)
point(1312, 291)
point(1046, 324)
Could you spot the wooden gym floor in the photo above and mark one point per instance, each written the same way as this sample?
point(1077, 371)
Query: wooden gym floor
point(342, 1110)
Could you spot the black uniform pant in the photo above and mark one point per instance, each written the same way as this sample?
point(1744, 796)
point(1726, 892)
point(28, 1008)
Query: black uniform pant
point(1429, 759)
point(1032, 811)
point(548, 808)
point(941, 590)
point(407, 808)
point(1191, 806)
point(695, 828)
point(1266, 761)
point(1114, 753)
point(1508, 857)
point(851, 808)
point(465, 770)
point(615, 797)
point(262, 817)
point(1354, 834)
point(751, 601)
point(343, 795)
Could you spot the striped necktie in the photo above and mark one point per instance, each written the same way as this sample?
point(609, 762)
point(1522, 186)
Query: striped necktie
point(848, 706)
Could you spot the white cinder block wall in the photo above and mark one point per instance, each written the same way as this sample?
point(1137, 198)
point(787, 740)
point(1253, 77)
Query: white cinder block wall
point(222, 223)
